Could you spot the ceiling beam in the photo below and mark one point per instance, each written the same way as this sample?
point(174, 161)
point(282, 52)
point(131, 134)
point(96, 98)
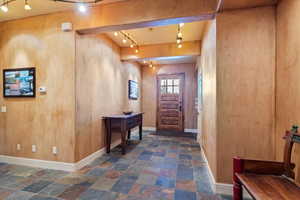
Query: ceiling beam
point(133, 14)
point(161, 50)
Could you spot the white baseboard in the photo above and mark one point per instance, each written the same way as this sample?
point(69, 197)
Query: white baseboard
point(70, 167)
point(191, 130)
point(148, 128)
point(37, 163)
point(87, 160)
point(222, 188)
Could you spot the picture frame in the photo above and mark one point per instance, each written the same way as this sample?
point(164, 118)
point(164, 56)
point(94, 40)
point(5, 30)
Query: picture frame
point(19, 82)
point(133, 90)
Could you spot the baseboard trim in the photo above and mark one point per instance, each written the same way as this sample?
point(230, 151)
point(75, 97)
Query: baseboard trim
point(187, 130)
point(87, 160)
point(37, 163)
point(45, 164)
point(149, 128)
point(222, 188)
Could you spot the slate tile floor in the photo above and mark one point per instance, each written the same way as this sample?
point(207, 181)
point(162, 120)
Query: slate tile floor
point(158, 168)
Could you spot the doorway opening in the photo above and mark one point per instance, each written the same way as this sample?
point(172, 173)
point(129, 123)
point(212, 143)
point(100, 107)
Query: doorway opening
point(170, 101)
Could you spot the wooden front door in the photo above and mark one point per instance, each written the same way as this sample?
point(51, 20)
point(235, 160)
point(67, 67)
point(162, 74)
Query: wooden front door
point(170, 89)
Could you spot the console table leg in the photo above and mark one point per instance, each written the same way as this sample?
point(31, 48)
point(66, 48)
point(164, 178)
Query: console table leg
point(141, 131)
point(129, 134)
point(123, 136)
point(108, 135)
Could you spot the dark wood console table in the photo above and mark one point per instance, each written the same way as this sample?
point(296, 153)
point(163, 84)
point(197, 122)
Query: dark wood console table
point(123, 124)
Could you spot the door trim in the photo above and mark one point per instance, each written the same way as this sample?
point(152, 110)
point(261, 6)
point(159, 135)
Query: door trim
point(183, 98)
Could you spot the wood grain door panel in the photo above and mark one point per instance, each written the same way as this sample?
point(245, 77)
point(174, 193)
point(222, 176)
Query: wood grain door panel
point(170, 102)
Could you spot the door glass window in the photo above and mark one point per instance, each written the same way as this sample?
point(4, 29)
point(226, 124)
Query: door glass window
point(169, 86)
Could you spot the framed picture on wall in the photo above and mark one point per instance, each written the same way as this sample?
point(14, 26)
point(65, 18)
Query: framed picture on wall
point(19, 82)
point(133, 90)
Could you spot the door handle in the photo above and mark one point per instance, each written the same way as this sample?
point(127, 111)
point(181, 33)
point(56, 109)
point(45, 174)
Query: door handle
point(180, 108)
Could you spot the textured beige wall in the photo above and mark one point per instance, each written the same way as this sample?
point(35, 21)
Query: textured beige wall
point(47, 120)
point(245, 87)
point(207, 66)
point(149, 93)
point(288, 70)
point(101, 89)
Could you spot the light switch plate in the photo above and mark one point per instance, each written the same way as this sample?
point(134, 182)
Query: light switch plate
point(3, 109)
point(33, 148)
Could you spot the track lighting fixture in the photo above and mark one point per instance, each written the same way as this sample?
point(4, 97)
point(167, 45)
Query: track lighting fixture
point(179, 37)
point(128, 37)
point(81, 4)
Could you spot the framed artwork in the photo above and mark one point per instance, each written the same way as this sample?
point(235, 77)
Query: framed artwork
point(133, 90)
point(19, 82)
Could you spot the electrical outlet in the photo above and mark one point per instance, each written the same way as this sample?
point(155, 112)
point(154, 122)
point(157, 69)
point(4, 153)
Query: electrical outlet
point(3, 109)
point(33, 148)
point(54, 150)
point(18, 147)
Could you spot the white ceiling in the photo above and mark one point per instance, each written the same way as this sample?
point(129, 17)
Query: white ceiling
point(161, 34)
point(39, 7)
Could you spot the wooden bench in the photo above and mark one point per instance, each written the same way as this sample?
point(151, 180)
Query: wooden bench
point(267, 180)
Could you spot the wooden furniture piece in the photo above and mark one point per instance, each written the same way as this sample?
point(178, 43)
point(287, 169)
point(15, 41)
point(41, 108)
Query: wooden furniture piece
point(267, 180)
point(122, 124)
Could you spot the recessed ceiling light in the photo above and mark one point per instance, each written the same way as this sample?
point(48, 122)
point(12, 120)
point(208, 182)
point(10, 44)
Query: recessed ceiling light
point(27, 6)
point(131, 46)
point(4, 8)
point(82, 8)
point(179, 46)
point(116, 34)
point(124, 41)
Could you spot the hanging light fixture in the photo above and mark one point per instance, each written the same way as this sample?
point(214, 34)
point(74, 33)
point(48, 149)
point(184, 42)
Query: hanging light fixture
point(27, 6)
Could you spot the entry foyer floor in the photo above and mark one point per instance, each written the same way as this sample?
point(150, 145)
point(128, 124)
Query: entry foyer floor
point(157, 168)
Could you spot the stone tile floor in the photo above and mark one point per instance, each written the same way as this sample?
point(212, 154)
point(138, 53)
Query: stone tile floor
point(158, 168)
